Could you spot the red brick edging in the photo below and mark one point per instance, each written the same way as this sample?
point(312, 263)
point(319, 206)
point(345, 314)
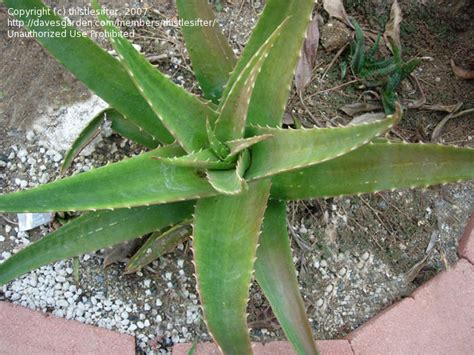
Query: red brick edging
point(23, 331)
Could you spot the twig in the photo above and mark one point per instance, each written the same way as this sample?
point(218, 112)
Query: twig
point(437, 131)
point(8, 220)
point(335, 87)
point(336, 56)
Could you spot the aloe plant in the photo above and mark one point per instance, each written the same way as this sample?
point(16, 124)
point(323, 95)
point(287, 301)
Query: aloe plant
point(227, 167)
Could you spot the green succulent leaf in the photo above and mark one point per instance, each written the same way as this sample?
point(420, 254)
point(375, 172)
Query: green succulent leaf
point(239, 145)
point(217, 146)
point(120, 125)
point(292, 149)
point(204, 159)
point(158, 244)
point(275, 273)
point(136, 181)
point(86, 136)
point(358, 48)
point(233, 110)
point(97, 69)
point(91, 232)
point(183, 114)
point(271, 91)
point(226, 230)
point(211, 55)
point(377, 167)
point(129, 129)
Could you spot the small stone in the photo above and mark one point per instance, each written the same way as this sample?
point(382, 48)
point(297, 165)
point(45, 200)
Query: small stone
point(158, 302)
point(2, 238)
point(140, 325)
point(329, 288)
point(365, 256)
point(319, 302)
point(323, 263)
point(342, 271)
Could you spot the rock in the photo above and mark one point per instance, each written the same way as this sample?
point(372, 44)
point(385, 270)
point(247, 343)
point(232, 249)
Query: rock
point(334, 35)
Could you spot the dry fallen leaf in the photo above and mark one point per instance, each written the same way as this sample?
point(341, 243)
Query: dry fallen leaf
point(359, 107)
point(335, 8)
point(462, 73)
point(392, 28)
point(120, 251)
point(304, 70)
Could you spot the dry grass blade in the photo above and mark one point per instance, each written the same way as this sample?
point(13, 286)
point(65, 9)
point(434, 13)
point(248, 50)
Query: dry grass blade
point(438, 129)
point(392, 28)
point(304, 70)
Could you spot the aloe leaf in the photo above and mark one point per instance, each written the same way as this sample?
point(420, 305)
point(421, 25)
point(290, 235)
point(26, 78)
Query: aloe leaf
point(233, 110)
point(211, 55)
point(293, 149)
point(158, 244)
point(132, 182)
point(275, 273)
point(91, 131)
point(238, 145)
point(217, 146)
point(92, 65)
point(204, 159)
point(227, 182)
point(183, 114)
point(274, 82)
point(377, 167)
point(120, 125)
point(225, 237)
point(91, 232)
point(129, 129)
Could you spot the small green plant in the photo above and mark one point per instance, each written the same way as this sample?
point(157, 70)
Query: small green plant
point(384, 72)
point(223, 164)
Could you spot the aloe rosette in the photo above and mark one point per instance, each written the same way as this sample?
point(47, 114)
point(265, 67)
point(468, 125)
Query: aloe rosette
point(224, 166)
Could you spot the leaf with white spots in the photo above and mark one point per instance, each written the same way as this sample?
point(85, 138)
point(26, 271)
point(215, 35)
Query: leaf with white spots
point(377, 167)
point(158, 244)
point(292, 149)
point(211, 55)
point(276, 274)
point(233, 110)
point(91, 232)
point(273, 85)
point(225, 237)
point(136, 181)
point(183, 114)
point(121, 125)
